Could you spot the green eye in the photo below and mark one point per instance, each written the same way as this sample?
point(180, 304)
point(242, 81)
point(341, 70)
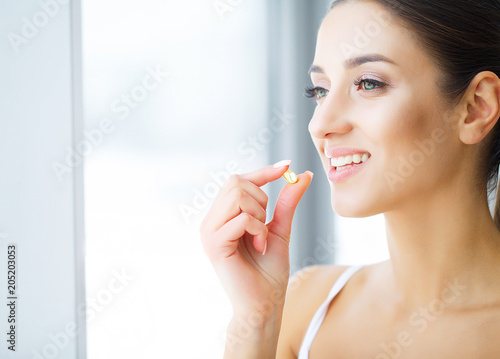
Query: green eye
point(320, 92)
point(369, 86)
point(316, 93)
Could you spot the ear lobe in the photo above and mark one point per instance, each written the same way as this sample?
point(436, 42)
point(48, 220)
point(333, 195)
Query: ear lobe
point(482, 99)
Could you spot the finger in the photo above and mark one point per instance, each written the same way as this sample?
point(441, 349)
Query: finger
point(288, 200)
point(267, 174)
point(224, 243)
point(251, 183)
point(257, 178)
point(235, 202)
point(238, 181)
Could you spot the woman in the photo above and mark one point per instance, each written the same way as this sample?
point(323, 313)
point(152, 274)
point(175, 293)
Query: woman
point(408, 96)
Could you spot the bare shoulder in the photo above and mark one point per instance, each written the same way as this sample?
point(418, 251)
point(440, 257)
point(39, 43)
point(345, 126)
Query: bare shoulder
point(307, 289)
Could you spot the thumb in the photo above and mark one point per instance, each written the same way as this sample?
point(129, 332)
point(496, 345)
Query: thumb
point(290, 195)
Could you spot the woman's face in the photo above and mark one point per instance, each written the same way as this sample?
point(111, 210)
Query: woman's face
point(377, 97)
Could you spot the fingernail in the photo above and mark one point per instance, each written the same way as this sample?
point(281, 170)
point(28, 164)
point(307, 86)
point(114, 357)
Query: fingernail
point(282, 163)
point(312, 174)
point(265, 248)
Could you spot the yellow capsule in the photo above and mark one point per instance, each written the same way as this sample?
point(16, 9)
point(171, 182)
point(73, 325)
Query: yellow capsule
point(290, 177)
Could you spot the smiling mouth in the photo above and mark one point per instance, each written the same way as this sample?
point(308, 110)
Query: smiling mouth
point(344, 162)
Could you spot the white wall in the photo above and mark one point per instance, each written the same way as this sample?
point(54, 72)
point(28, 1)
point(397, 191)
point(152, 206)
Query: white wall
point(40, 212)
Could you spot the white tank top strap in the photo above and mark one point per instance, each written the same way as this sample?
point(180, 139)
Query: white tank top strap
point(318, 318)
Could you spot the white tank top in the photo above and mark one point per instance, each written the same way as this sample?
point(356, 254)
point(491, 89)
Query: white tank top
point(318, 318)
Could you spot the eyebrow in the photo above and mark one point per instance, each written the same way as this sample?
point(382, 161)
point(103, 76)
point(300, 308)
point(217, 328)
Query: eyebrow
point(355, 62)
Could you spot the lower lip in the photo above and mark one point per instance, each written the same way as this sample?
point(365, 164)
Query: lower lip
point(341, 176)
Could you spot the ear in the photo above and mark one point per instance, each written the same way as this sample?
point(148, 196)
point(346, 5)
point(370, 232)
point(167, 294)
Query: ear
point(481, 105)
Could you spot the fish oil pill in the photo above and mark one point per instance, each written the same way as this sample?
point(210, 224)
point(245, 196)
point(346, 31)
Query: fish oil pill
point(291, 177)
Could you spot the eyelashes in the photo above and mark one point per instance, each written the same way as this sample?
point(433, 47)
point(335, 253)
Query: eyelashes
point(315, 92)
point(367, 85)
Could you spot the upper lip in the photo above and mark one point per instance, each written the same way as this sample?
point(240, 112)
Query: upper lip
point(342, 151)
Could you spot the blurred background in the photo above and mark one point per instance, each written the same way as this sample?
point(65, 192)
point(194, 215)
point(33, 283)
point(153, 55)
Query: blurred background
point(190, 92)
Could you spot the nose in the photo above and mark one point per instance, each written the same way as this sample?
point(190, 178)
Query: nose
point(330, 117)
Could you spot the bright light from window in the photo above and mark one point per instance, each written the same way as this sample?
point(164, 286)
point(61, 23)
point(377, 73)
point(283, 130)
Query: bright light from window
point(171, 90)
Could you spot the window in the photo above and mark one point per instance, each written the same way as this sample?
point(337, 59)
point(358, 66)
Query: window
point(173, 90)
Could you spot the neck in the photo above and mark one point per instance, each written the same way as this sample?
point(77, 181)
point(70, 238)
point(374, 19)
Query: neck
point(442, 240)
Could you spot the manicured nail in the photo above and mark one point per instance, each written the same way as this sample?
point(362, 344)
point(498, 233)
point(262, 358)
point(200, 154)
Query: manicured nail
point(265, 248)
point(312, 174)
point(282, 163)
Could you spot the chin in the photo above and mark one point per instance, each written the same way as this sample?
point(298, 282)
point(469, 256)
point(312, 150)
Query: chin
point(352, 205)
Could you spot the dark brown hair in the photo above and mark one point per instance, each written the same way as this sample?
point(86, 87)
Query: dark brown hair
point(463, 38)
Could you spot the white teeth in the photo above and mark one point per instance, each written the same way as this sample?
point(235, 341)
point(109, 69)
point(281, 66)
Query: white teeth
point(343, 168)
point(342, 161)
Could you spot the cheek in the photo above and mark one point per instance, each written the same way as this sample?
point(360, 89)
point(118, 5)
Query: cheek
point(410, 144)
point(390, 126)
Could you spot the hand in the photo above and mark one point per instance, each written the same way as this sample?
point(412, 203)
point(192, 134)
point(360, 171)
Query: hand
point(234, 236)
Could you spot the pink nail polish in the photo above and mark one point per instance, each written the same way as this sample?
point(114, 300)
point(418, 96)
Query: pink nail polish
point(265, 248)
point(282, 163)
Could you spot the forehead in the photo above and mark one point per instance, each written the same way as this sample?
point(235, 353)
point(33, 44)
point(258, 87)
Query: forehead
point(363, 27)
